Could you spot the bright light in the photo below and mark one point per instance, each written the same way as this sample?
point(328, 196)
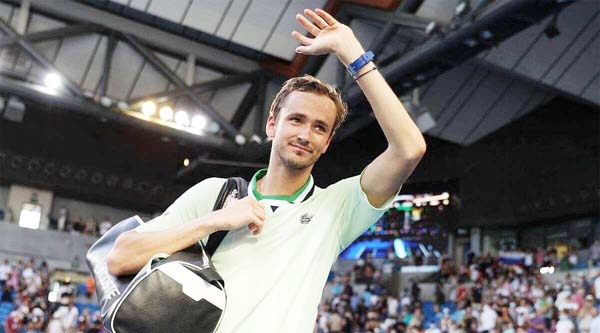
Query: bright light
point(166, 113)
point(181, 118)
point(430, 198)
point(122, 105)
point(446, 202)
point(53, 81)
point(186, 162)
point(199, 122)
point(240, 139)
point(148, 108)
point(52, 297)
point(106, 101)
point(547, 270)
point(400, 248)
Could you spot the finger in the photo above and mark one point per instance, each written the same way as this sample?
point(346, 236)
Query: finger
point(326, 16)
point(319, 21)
point(253, 228)
point(301, 38)
point(260, 214)
point(311, 28)
point(303, 50)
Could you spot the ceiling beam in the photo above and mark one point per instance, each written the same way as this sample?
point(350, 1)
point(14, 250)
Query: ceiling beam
point(381, 4)
point(439, 54)
point(64, 32)
point(402, 19)
point(198, 88)
point(390, 28)
point(106, 66)
point(178, 82)
point(90, 108)
point(153, 37)
point(243, 110)
point(536, 83)
point(39, 58)
point(294, 67)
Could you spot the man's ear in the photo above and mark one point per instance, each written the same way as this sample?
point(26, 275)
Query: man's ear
point(270, 126)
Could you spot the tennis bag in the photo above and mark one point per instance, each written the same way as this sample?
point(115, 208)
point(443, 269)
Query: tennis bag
point(172, 293)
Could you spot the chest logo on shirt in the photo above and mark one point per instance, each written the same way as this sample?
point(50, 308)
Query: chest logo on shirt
point(305, 218)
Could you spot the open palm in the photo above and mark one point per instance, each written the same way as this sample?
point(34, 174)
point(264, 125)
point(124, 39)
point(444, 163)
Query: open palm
point(328, 33)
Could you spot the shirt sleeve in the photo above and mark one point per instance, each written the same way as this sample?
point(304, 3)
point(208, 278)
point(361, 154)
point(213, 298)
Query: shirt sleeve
point(357, 213)
point(194, 203)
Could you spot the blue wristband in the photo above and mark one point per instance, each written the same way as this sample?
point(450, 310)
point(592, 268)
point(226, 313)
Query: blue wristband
point(359, 63)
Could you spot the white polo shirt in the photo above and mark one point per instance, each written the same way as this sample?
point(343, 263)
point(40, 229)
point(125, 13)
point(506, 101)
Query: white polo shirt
point(274, 280)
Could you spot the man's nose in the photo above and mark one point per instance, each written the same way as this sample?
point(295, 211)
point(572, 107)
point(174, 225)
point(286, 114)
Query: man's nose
point(304, 133)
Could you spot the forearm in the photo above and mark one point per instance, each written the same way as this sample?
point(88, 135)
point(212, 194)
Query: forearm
point(404, 137)
point(406, 145)
point(133, 249)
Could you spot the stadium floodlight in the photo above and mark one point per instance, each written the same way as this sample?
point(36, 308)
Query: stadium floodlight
point(53, 81)
point(149, 108)
point(182, 118)
point(166, 113)
point(199, 122)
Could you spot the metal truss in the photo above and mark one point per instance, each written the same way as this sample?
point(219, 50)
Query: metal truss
point(23, 41)
point(231, 131)
point(35, 55)
point(440, 53)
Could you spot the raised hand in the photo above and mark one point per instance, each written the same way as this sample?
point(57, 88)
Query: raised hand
point(330, 36)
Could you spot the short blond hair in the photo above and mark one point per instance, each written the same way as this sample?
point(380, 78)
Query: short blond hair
point(308, 83)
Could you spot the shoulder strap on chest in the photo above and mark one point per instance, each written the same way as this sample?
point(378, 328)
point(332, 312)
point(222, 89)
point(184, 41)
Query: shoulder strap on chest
point(234, 188)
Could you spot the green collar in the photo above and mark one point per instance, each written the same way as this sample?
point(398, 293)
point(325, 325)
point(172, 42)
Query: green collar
point(299, 194)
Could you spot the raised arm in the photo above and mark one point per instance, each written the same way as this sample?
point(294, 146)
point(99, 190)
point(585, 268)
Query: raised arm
point(384, 175)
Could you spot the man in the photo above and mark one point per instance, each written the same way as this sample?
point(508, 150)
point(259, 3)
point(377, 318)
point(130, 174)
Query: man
point(487, 318)
point(5, 270)
point(286, 234)
point(564, 324)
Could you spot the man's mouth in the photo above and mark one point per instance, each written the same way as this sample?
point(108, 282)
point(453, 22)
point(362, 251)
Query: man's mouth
point(301, 148)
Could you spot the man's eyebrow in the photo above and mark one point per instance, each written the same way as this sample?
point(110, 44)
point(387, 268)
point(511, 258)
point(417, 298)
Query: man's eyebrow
point(303, 116)
point(296, 114)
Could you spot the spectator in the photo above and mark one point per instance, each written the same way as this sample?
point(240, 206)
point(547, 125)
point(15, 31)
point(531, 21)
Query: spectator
point(63, 320)
point(13, 321)
point(537, 323)
point(564, 324)
point(595, 325)
point(586, 315)
point(5, 270)
point(105, 225)
point(597, 288)
point(487, 319)
point(415, 291)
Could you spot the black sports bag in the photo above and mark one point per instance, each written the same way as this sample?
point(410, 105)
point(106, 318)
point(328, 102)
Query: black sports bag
point(178, 293)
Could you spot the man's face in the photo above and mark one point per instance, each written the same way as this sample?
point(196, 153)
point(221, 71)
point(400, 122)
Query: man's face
point(303, 129)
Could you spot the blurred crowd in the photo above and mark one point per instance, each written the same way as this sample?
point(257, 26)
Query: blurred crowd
point(63, 222)
point(26, 290)
point(485, 294)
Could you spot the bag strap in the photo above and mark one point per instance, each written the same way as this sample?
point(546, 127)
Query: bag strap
point(232, 184)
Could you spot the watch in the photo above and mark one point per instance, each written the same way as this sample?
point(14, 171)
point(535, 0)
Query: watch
point(359, 63)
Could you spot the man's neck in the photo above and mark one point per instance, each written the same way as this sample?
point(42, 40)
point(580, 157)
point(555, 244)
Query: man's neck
point(280, 180)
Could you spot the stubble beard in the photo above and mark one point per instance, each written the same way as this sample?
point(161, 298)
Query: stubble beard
point(294, 162)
